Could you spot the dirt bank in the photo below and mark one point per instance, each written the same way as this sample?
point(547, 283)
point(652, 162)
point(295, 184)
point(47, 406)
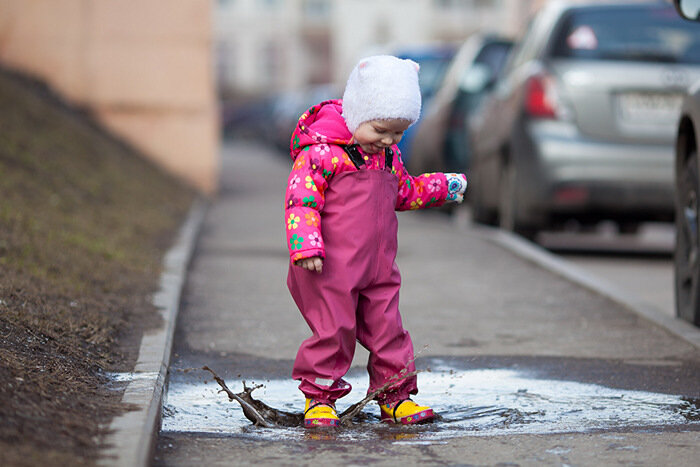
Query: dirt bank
point(84, 223)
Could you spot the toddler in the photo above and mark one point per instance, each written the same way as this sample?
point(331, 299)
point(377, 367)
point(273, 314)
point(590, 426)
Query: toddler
point(347, 181)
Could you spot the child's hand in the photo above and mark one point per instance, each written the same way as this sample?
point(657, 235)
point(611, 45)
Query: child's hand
point(314, 263)
point(456, 186)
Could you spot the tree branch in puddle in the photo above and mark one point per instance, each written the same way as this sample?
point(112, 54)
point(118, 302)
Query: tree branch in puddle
point(257, 411)
point(248, 409)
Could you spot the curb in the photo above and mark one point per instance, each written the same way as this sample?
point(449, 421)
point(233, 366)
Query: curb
point(132, 435)
point(546, 260)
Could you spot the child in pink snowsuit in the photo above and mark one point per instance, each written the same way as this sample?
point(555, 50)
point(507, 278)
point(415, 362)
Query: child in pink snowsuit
point(347, 181)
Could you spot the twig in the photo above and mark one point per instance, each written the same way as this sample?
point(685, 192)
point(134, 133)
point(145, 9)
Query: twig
point(248, 409)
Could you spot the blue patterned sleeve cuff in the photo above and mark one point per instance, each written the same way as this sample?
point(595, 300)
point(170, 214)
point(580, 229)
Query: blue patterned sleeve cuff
point(456, 186)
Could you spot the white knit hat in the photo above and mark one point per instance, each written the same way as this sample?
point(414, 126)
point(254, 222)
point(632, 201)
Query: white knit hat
point(381, 87)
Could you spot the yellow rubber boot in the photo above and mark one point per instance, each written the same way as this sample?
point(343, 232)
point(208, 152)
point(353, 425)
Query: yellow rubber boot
point(405, 412)
point(318, 414)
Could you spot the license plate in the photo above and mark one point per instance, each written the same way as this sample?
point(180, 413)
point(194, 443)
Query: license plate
point(649, 108)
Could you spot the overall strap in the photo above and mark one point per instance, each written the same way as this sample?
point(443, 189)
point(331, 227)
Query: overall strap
point(354, 155)
point(388, 158)
point(358, 161)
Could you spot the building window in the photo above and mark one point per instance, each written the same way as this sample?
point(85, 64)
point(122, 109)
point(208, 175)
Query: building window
point(316, 9)
point(269, 4)
point(465, 4)
point(270, 65)
point(453, 4)
point(225, 73)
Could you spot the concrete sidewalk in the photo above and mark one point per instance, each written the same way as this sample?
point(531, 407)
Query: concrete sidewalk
point(461, 293)
point(467, 294)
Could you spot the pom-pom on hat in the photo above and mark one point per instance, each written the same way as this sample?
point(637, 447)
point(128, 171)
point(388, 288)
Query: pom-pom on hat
point(381, 87)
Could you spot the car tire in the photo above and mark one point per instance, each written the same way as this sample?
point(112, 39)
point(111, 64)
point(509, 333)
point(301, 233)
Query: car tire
point(686, 261)
point(480, 213)
point(508, 204)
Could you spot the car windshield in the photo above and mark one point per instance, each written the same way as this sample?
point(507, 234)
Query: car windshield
point(649, 33)
point(432, 71)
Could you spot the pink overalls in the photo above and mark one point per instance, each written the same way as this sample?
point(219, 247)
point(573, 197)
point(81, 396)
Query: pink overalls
point(356, 297)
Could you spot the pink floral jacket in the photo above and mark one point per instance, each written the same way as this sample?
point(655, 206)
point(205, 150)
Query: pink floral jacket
point(316, 149)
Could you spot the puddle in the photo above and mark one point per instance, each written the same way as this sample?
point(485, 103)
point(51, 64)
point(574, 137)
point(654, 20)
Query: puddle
point(129, 377)
point(471, 403)
point(118, 381)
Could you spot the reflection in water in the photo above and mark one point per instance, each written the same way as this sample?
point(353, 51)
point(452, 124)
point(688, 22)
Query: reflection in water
point(476, 402)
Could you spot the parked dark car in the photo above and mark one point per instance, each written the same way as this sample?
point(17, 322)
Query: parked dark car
point(433, 60)
point(582, 123)
point(686, 260)
point(441, 142)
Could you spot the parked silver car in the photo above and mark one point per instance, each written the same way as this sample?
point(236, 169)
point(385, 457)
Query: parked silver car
point(686, 260)
point(583, 121)
point(441, 142)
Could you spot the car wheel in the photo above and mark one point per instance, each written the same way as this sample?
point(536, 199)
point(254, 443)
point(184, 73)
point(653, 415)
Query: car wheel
point(508, 204)
point(480, 213)
point(686, 271)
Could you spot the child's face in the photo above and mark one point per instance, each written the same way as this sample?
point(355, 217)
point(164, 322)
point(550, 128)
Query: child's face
point(375, 135)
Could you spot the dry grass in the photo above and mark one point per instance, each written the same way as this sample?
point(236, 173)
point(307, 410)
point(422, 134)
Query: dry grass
point(84, 223)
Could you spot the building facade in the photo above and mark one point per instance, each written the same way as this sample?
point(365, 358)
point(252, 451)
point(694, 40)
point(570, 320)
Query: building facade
point(144, 68)
point(266, 46)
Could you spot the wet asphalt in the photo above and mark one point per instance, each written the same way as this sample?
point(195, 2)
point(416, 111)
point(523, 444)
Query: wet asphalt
point(481, 318)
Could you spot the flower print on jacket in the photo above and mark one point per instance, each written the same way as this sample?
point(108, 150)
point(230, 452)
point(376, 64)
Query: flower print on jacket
point(316, 149)
point(311, 219)
point(310, 201)
point(322, 149)
point(296, 242)
point(293, 221)
point(315, 165)
point(291, 201)
point(315, 239)
point(299, 163)
point(309, 183)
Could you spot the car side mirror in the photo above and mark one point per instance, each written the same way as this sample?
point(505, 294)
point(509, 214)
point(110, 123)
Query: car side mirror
point(688, 9)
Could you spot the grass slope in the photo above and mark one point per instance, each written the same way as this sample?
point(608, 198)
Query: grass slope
point(84, 223)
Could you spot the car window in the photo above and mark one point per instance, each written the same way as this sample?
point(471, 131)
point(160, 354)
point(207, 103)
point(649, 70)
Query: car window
point(530, 46)
point(432, 71)
point(641, 33)
point(493, 55)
